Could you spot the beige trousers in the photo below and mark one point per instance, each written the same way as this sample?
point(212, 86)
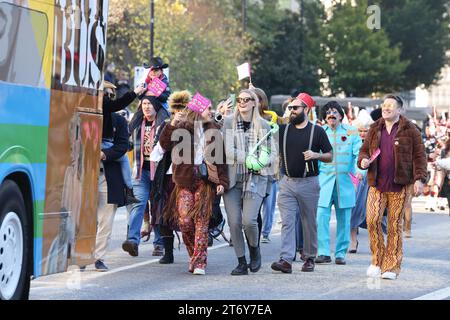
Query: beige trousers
point(105, 219)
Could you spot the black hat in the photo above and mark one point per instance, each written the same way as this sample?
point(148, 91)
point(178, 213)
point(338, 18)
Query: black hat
point(332, 105)
point(156, 63)
point(154, 101)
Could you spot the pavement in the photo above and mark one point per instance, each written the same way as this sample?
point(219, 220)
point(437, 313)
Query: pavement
point(425, 272)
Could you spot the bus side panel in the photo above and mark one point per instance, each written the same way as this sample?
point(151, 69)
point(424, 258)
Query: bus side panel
point(72, 187)
point(79, 45)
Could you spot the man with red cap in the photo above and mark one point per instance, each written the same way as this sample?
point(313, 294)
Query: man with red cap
point(302, 145)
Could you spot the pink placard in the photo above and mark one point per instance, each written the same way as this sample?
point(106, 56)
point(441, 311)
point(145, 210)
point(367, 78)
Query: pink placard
point(156, 87)
point(199, 103)
point(354, 179)
point(375, 155)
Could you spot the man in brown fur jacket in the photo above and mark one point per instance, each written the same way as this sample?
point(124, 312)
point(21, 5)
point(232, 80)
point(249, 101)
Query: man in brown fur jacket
point(401, 162)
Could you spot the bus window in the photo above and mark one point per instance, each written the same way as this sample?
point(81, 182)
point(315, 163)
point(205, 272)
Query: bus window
point(21, 61)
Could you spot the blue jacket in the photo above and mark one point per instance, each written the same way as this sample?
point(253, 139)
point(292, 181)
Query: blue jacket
point(346, 144)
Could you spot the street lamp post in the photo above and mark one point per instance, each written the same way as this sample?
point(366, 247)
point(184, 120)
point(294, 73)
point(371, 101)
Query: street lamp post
point(302, 34)
point(152, 26)
point(244, 15)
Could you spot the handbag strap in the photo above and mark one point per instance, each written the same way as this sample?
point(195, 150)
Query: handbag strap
point(284, 148)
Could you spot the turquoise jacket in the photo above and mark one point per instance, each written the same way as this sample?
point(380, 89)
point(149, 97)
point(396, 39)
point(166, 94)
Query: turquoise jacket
point(346, 143)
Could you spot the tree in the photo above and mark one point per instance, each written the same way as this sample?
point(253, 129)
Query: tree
point(421, 29)
point(360, 61)
point(201, 44)
point(285, 48)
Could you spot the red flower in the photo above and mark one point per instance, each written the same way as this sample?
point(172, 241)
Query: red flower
point(343, 138)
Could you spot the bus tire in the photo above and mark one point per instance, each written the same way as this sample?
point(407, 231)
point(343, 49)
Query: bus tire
point(15, 253)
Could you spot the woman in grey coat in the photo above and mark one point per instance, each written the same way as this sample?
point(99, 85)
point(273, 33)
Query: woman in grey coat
point(247, 188)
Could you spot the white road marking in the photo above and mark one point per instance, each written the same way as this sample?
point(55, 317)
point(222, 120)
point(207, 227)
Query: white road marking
point(436, 295)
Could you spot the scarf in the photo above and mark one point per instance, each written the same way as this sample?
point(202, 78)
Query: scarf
point(244, 140)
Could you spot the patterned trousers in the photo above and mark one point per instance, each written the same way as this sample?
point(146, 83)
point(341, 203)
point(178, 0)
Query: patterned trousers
point(194, 230)
point(389, 257)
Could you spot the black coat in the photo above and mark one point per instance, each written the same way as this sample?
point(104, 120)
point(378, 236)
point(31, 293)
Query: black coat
point(113, 174)
point(110, 106)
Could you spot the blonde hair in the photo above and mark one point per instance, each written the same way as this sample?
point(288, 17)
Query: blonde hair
point(256, 127)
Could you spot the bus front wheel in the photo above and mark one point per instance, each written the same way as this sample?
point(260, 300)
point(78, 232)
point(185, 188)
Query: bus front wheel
point(14, 251)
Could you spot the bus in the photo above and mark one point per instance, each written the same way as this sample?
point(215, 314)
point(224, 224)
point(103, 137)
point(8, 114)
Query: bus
point(52, 55)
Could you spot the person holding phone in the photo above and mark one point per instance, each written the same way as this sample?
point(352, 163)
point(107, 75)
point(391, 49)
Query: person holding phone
point(192, 199)
point(247, 187)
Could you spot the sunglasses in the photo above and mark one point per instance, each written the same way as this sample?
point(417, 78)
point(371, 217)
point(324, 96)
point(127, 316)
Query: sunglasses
point(244, 100)
point(388, 106)
point(295, 108)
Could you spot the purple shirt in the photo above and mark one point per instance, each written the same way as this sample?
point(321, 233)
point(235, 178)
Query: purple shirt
point(386, 162)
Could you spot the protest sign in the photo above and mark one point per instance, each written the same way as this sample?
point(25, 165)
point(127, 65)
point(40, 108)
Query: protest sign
point(156, 87)
point(199, 103)
point(375, 155)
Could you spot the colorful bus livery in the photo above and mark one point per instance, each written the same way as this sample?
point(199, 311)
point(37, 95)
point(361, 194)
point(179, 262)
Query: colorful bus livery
point(51, 61)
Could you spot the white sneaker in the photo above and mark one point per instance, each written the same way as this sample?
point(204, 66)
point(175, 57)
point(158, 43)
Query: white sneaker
point(389, 275)
point(373, 271)
point(199, 271)
point(265, 240)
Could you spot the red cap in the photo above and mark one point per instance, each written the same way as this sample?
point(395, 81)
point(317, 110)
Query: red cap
point(306, 99)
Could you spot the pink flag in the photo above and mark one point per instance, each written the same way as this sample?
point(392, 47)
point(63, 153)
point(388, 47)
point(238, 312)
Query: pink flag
point(375, 155)
point(354, 179)
point(199, 103)
point(156, 87)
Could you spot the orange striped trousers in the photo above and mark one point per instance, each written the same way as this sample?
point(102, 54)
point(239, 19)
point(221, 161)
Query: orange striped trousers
point(388, 257)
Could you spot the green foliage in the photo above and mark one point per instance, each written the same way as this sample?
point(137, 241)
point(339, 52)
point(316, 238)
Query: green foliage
point(201, 45)
point(360, 61)
point(203, 41)
point(285, 52)
point(421, 29)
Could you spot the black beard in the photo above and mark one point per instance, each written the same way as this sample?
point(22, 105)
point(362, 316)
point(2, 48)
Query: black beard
point(298, 119)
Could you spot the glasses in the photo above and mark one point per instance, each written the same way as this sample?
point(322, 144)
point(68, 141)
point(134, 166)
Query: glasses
point(388, 106)
point(290, 108)
point(244, 100)
point(332, 112)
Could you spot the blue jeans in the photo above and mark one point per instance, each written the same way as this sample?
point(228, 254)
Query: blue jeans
point(142, 189)
point(269, 209)
point(124, 164)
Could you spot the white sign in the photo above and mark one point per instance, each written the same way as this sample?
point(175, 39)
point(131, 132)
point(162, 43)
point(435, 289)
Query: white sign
point(244, 71)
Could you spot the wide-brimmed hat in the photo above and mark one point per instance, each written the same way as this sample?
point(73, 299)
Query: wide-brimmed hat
point(156, 63)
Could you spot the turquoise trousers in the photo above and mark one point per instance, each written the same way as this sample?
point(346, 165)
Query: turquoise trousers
point(343, 217)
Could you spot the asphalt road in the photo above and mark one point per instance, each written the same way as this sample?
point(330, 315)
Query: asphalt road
point(425, 272)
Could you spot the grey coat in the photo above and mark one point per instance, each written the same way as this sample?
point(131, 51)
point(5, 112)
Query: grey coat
point(259, 182)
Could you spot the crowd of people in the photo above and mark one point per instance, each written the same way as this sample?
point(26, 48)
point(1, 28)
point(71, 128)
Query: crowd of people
point(187, 160)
